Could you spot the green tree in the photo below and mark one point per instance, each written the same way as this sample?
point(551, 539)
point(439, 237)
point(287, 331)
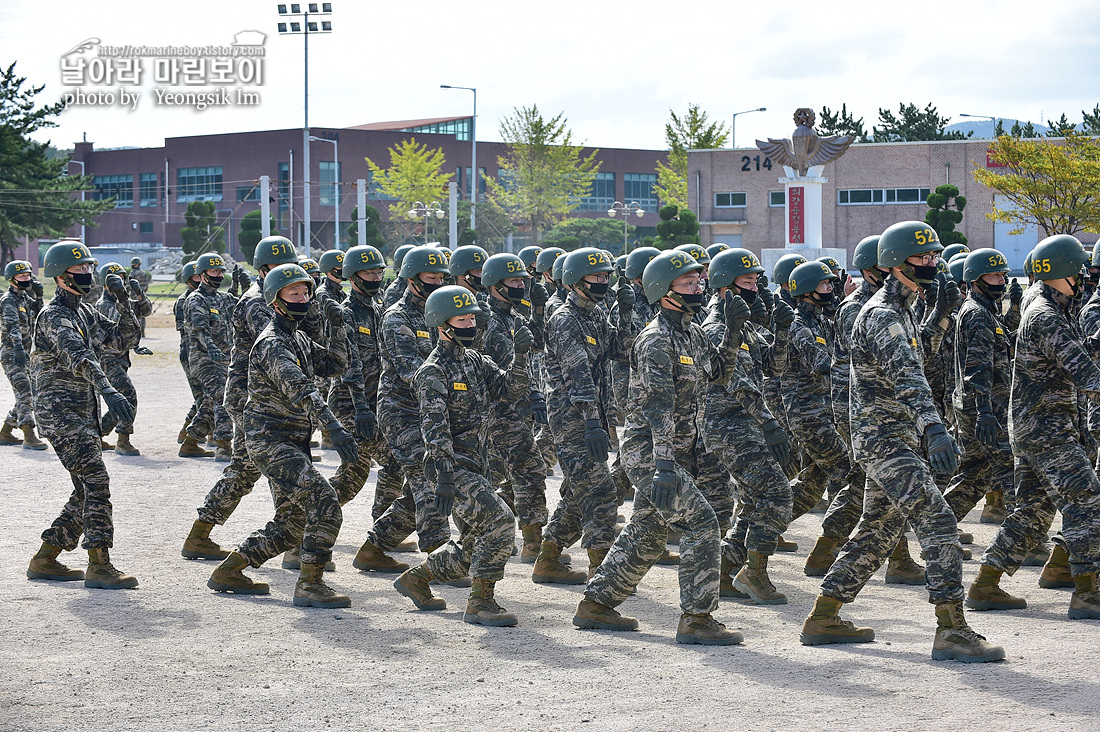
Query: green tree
point(913, 125)
point(841, 123)
point(36, 197)
point(1061, 127)
point(601, 233)
point(201, 232)
point(415, 174)
point(373, 236)
point(251, 232)
point(942, 217)
point(1054, 185)
point(1026, 131)
point(677, 226)
point(693, 131)
point(1091, 121)
point(543, 175)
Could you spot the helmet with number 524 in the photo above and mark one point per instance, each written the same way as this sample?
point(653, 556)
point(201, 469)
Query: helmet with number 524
point(663, 269)
point(730, 264)
point(907, 239)
point(272, 251)
point(447, 302)
point(982, 261)
point(502, 267)
point(1058, 256)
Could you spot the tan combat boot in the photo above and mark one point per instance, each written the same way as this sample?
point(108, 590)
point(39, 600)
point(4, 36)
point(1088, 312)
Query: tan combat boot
point(190, 448)
point(292, 559)
point(44, 565)
point(901, 569)
point(1085, 600)
point(753, 580)
point(725, 581)
point(549, 569)
point(124, 447)
point(230, 577)
point(532, 542)
point(7, 437)
point(824, 625)
point(30, 440)
point(311, 590)
point(101, 574)
point(782, 545)
point(669, 558)
point(482, 607)
point(199, 545)
point(704, 630)
point(821, 557)
point(415, 584)
point(105, 446)
point(1056, 572)
point(370, 558)
point(955, 640)
point(994, 510)
point(986, 592)
point(595, 559)
point(591, 614)
point(223, 453)
point(182, 435)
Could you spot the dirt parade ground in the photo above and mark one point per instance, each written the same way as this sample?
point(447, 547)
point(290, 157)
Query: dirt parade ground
point(174, 655)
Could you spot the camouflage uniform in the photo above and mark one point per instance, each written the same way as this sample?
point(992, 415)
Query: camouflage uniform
point(1051, 468)
point(179, 312)
point(671, 363)
point(18, 310)
point(394, 293)
point(891, 407)
point(282, 410)
point(983, 377)
point(67, 377)
point(406, 342)
point(580, 341)
point(457, 389)
point(144, 279)
point(207, 317)
point(115, 362)
point(1088, 322)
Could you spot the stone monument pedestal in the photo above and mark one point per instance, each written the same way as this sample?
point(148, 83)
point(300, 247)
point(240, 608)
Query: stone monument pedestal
point(803, 220)
point(768, 257)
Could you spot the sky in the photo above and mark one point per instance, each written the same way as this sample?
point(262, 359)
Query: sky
point(614, 69)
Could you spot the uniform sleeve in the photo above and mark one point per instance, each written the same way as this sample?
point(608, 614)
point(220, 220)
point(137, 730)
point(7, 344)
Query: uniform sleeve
point(331, 360)
point(570, 353)
point(435, 421)
point(281, 364)
point(888, 344)
point(1060, 345)
point(122, 334)
point(73, 354)
point(498, 344)
point(198, 315)
point(812, 349)
point(976, 344)
point(12, 332)
point(402, 348)
point(658, 395)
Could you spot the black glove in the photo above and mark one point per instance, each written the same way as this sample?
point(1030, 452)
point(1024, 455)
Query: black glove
point(758, 312)
point(143, 351)
point(1015, 293)
point(234, 283)
point(366, 424)
point(244, 278)
point(949, 296)
point(986, 429)
point(333, 313)
point(523, 340)
point(666, 485)
point(115, 284)
point(19, 357)
point(737, 314)
point(538, 408)
point(624, 296)
point(762, 282)
point(37, 288)
point(596, 440)
point(344, 443)
point(943, 453)
point(539, 295)
point(483, 316)
point(445, 493)
point(776, 439)
point(215, 354)
point(117, 404)
point(135, 287)
point(782, 314)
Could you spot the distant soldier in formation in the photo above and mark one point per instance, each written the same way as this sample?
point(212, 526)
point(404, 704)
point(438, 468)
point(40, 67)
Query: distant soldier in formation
point(19, 307)
point(115, 362)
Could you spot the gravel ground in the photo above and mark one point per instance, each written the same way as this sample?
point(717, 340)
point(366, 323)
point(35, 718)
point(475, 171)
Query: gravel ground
point(172, 655)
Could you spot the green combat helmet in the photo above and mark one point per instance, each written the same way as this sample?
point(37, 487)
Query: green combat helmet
point(422, 259)
point(781, 272)
point(501, 267)
point(16, 267)
point(949, 252)
point(865, 255)
point(695, 250)
point(447, 302)
point(637, 260)
point(331, 262)
point(831, 263)
point(663, 270)
point(467, 258)
point(555, 271)
point(1056, 257)
point(730, 264)
point(188, 272)
point(208, 260)
point(957, 268)
point(980, 262)
point(581, 263)
point(399, 256)
point(272, 251)
point(807, 276)
point(620, 263)
point(529, 255)
point(360, 258)
point(64, 254)
point(111, 268)
point(310, 266)
point(908, 239)
point(717, 248)
point(283, 276)
point(545, 261)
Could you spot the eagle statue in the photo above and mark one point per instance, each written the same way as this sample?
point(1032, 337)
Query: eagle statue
point(806, 148)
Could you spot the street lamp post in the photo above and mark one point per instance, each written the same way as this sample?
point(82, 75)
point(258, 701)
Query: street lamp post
point(420, 211)
point(984, 116)
point(304, 27)
point(335, 187)
point(733, 124)
point(625, 209)
point(473, 155)
point(81, 164)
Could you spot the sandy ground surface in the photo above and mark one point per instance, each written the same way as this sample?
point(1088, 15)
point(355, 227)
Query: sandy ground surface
point(172, 655)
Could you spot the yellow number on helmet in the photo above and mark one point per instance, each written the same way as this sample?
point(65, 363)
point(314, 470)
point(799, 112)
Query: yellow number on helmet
point(76, 253)
point(792, 285)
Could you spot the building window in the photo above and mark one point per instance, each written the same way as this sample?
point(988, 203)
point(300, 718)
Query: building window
point(248, 193)
point(199, 184)
point(481, 182)
point(460, 128)
point(330, 175)
point(602, 195)
point(119, 187)
point(639, 187)
point(730, 200)
point(148, 191)
point(373, 191)
point(145, 227)
point(864, 196)
point(777, 199)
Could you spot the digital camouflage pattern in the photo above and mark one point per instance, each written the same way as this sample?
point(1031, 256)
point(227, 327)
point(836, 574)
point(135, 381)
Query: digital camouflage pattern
point(115, 363)
point(18, 310)
point(208, 314)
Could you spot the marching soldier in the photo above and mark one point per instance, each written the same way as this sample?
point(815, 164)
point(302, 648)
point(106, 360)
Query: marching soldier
point(116, 363)
point(18, 310)
point(179, 311)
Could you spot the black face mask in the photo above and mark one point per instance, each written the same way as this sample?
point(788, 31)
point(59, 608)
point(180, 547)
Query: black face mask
point(924, 275)
point(22, 284)
point(295, 311)
point(425, 288)
point(81, 282)
point(994, 292)
point(214, 282)
point(338, 273)
point(515, 294)
point(464, 336)
point(749, 296)
point(596, 289)
point(369, 288)
point(875, 276)
point(693, 302)
point(824, 299)
point(476, 282)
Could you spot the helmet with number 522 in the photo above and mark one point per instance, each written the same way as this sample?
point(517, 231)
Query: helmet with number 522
point(663, 269)
point(1058, 256)
point(983, 261)
point(502, 267)
point(730, 264)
